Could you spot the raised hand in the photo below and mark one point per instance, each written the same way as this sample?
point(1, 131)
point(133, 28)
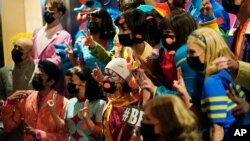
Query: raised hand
point(146, 83)
point(206, 9)
point(226, 63)
point(69, 50)
point(85, 110)
point(147, 86)
point(51, 103)
point(89, 40)
point(97, 74)
point(242, 105)
point(180, 87)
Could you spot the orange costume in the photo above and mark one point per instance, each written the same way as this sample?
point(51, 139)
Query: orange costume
point(38, 118)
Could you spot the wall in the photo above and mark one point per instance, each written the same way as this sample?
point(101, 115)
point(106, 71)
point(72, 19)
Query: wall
point(18, 16)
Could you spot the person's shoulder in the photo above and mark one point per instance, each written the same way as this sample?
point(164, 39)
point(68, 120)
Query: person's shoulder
point(211, 81)
point(63, 32)
point(36, 30)
point(98, 101)
point(5, 68)
point(62, 97)
point(217, 79)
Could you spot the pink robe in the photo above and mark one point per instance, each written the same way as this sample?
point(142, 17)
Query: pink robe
point(39, 119)
point(48, 52)
point(60, 36)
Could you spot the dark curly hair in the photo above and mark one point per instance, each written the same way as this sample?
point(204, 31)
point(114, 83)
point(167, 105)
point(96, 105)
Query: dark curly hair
point(181, 23)
point(107, 26)
point(50, 69)
point(93, 90)
point(135, 20)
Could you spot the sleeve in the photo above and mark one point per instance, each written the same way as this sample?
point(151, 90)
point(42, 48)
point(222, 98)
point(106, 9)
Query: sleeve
point(45, 136)
point(98, 117)
point(214, 101)
point(59, 134)
point(100, 53)
point(65, 40)
point(2, 89)
point(10, 116)
point(161, 90)
point(210, 22)
point(243, 76)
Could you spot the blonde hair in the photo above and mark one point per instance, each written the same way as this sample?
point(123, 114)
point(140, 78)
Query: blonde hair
point(214, 46)
point(176, 121)
point(18, 36)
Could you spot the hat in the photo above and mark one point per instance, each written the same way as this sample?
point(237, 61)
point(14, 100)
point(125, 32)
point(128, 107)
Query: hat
point(119, 65)
point(145, 8)
point(162, 8)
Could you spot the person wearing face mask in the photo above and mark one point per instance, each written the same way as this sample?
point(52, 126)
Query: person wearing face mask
point(204, 46)
point(176, 27)
point(86, 106)
point(29, 109)
point(179, 123)
point(132, 24)
point(51, 33)
point(101, 32)
point(19, 75)
point(115, 84)
point(132, 45)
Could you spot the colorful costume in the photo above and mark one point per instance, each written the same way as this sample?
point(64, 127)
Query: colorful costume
point(222, 16)
point(215, 103)
point(114, 129)
point(78, 128)
point(38, 118)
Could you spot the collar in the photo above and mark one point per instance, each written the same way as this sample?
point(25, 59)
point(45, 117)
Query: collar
point(53, 29)
point(26, 65)
point(81, 99)
point(147, 51)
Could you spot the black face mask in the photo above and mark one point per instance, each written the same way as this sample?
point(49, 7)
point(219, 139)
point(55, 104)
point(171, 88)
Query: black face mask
point(16, 55)
point(195, 63)
point(230, 7)
point(109, 87)
point(71, 87)
point(94, 27)
point(125, 40)
point(148, 133)
point(37, 83)
point(166, 45)
point(48, 17)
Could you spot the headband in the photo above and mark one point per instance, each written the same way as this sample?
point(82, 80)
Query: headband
point(200, 37)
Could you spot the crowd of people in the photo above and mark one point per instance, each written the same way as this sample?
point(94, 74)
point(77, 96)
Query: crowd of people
point(179, 69)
